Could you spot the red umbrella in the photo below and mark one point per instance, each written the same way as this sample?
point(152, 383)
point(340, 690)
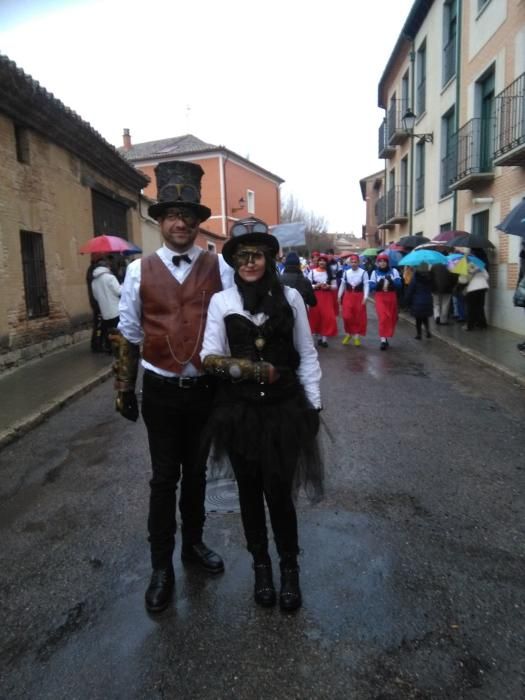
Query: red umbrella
point(446, 236)
point(109, 244)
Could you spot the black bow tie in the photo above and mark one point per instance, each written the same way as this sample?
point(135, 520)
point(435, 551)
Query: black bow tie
point(177, 258)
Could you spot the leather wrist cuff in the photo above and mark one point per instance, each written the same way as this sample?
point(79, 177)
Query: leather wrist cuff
point(126, 364)
point(239, 369)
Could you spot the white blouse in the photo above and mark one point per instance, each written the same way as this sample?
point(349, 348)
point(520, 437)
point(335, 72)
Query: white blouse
point(229, 302)
point(354, 278)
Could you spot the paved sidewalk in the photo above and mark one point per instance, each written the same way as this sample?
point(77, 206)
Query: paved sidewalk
point(41, 387)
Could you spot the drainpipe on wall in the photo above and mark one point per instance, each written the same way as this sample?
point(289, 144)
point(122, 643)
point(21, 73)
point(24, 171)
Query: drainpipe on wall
point(222, 175)
point(412, 88)
point(458, 96)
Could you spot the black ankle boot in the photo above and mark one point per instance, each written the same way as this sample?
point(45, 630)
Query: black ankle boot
point(160, 589)
point(264, 591)
point(290, 598)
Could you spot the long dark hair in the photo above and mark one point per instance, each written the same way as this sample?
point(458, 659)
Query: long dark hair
point(267, 296)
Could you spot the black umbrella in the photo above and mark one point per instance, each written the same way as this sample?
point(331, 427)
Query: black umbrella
point(514, 222)
point(471, 240)
point(411, 242)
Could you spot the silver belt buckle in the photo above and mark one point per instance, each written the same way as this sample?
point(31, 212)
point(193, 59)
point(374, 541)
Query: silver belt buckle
point(184, 382)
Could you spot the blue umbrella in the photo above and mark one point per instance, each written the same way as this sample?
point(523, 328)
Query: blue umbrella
point(514, 222)
point(394, 256)
point(470, 258)
point(418, 257)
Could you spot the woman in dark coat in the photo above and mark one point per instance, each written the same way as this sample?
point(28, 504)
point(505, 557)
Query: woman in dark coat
point(292, 276)
point(418, 298)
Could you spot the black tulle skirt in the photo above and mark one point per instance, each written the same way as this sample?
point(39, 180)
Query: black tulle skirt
point(272, 428)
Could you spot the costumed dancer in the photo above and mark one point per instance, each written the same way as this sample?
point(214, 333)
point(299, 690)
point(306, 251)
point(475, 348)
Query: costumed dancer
point(265, 416)
point(323, 321)
point(353, 293)
point(384, 281)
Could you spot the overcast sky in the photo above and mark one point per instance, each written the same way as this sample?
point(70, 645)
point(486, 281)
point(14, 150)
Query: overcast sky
point(290, 84)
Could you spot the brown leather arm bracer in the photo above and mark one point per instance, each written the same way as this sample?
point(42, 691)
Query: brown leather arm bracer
point(239, 370)
point(126, 364)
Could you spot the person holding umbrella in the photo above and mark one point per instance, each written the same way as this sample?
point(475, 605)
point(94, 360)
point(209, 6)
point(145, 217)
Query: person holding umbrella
point(105, 288)
point(384, 281)
point(164, 304)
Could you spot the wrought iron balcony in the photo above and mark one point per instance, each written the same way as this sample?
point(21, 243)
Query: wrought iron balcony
point(385, 150)
point(397, 205)
point(472, 148)
point(380, 211)
point(509, 137)
point(396, 133)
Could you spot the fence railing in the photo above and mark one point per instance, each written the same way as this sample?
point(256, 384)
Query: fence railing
point(397, 203)
point(510, 117)
point(473, 148)
point(396, 112)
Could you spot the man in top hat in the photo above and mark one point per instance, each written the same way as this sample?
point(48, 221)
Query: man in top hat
point(164, 304)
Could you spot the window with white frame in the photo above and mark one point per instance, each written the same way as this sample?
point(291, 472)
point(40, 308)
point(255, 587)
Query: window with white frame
point(250, 201)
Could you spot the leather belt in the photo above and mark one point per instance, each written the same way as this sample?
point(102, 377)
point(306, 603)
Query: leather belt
point(180, 382)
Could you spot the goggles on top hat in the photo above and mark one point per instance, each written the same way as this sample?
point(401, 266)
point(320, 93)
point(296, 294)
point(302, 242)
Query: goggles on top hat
point(248, 226)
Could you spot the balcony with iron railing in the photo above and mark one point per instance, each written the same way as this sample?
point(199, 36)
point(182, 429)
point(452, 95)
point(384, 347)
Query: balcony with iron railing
point(449, 60)
point(472, 149)
point(509, 137)
point(397, 205)
point(396, 132)
point(380, 211)
point(385, 150)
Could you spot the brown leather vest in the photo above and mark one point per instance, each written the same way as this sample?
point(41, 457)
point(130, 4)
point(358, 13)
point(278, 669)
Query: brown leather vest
point(174, 314)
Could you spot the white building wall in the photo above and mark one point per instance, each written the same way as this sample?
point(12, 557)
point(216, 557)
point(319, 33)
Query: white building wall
point(484, 24)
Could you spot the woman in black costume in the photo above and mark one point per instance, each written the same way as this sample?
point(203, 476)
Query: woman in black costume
point(258, 341)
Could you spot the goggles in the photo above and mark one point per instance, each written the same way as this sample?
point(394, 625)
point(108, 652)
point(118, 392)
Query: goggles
point(180, 190)
point(189, 217)
point(254, 226)
point(245, 256)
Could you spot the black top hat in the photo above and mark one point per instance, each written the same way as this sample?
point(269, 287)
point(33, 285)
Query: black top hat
point(250, 231)
point(179, 185)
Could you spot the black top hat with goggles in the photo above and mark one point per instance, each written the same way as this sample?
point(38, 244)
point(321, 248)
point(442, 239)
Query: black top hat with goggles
point(252, 232)
point(179, 185)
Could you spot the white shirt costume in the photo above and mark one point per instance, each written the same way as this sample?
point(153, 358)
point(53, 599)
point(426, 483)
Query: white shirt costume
point(230, 301)
point(354, 278)
point(130, 307)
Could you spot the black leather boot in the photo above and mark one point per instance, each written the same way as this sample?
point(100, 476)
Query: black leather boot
point(290, 598)
point(160, 589)
point(264, 590)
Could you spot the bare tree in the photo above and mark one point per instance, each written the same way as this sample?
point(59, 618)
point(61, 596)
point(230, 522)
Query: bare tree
point(292, 211)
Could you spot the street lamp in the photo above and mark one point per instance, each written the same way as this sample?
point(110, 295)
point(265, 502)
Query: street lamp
point(241, 205)
point(409, 122)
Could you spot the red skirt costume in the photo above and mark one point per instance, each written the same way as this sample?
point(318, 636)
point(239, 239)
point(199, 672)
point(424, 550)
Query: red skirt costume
point(386, 309)
point(354, 313)
point(322, 317)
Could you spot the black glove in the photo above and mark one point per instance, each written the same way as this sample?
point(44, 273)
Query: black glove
point(127, 405)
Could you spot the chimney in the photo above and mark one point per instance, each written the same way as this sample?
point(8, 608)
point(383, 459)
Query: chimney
point(127, 140)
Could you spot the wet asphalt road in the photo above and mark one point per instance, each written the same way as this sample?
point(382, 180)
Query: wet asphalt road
point(412, 567)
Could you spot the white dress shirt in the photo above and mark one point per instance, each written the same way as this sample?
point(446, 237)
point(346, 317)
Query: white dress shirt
point(230, 302)
point(130, 307)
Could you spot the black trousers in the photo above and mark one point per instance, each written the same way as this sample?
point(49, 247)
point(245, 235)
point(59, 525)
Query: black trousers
point(252, 494)
point(475, 303)
point(175, 418)
point(106, 326)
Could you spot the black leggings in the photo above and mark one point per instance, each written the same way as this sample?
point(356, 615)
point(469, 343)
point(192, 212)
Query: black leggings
point(422, 321)
point(252, 495)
